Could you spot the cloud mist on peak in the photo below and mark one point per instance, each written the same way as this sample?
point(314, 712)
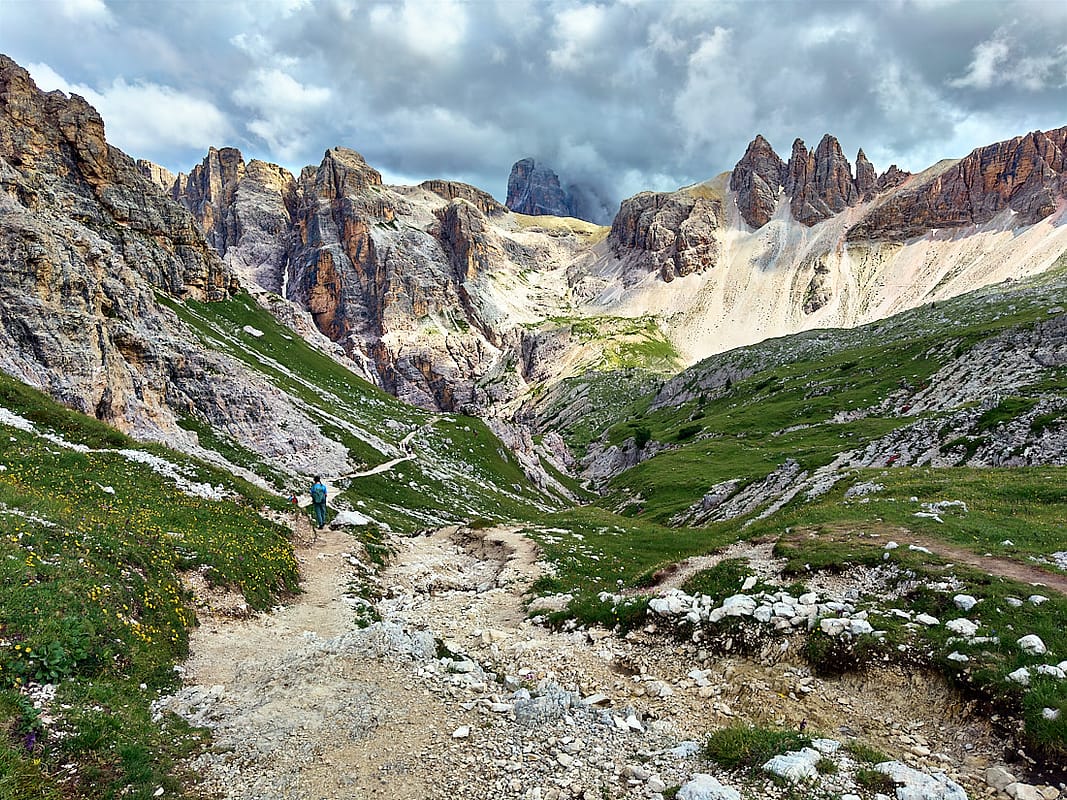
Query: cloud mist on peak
point(617, 97)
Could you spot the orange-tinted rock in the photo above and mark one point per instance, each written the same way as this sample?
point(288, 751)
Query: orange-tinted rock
point(819, 182)
point(451, 190)
point(866, 176)
point(1027, 174)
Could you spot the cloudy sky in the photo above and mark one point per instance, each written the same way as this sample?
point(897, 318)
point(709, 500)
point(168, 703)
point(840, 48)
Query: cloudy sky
point(624, 96)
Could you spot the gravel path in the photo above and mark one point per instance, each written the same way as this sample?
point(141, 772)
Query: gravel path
point(305, 705)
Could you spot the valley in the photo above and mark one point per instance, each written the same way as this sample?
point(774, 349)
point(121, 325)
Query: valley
point(770, 471)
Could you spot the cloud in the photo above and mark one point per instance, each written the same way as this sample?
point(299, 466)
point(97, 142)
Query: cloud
point(284, 109)
point(431, 29)
point(145, 118)
point(997, 62)
point(620, 95)
point(576, 31)
point(91, 11)
point(984, 68)
point(715, 99)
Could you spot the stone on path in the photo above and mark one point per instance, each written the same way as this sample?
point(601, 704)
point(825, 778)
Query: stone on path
point(998, 778)
point(915, 785)
point(704, 787)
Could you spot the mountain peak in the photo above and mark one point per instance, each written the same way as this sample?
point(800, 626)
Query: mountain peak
point(535, 189)
point(757, 179)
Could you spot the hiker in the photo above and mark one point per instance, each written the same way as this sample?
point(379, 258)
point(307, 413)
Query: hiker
point(318, 500)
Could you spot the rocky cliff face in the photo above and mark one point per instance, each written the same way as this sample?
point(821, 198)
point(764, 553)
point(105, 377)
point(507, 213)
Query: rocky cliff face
point(535, 189)
point(442, 294)
point(86, 243)
point(672, 233)
point(757, 179)
point(818, 183)
point(1026, 175)
point(453, 190)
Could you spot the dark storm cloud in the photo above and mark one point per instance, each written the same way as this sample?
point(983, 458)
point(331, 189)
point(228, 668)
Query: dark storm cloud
point(622, 96)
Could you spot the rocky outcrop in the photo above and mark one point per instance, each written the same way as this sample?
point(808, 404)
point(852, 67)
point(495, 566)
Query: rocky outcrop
point(672, 233)
point(1027, 174)
point(820, 182)
point(757, 179)
point(820, 287)
point(208, 192)
point(56, 161)
point(87, 244)
point(454, 190)
point(866, 176)
point(160, 176)
point(535, 189)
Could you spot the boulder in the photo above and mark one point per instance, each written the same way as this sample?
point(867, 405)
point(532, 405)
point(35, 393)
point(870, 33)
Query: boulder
point(1032, 645)
point(795, 766)
point(915, 785)
point(998, 778)
point(962, 626)
point(705, 787)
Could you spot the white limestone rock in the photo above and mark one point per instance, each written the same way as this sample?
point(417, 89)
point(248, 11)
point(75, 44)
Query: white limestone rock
point(705, 787)
point(1032, 645)
point(795, 766)
point(963, 627)
point(915, 785)
point(1020, 676)
point(739, 605)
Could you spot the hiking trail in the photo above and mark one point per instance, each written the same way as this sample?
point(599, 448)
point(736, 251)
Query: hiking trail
point(305, 704)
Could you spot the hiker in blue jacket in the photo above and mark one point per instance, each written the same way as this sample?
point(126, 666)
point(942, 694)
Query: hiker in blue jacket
point(318, 500)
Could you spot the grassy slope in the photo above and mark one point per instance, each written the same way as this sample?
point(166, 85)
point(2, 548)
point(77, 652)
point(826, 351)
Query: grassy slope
point(91, 546)
point(783, 409)
point(460, 469)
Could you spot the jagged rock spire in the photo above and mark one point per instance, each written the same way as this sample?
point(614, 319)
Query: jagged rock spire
point(757, 179)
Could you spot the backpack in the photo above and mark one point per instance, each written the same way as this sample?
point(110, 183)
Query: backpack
point(318, 493)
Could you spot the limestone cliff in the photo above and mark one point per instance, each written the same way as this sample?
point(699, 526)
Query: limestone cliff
point(1026, 175)
point(535, 189)
point(817, 183)
point(87, 245)
point(757, 179)
point(443, 294)
point(671, 233)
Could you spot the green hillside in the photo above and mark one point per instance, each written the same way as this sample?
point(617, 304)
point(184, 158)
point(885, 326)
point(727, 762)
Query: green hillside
point(95, 531)
point(459, 470)
point(791, 425)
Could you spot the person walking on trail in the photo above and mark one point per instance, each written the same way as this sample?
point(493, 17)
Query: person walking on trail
point(318, 500)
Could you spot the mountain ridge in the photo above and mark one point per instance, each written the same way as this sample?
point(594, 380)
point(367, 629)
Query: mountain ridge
point(751, 229)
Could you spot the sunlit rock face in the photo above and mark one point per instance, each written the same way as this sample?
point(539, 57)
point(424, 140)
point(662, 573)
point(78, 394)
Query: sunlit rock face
point(89, 243)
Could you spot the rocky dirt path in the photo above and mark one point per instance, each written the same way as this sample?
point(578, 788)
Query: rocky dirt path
point(763, 563)
point(456, 694)
point(1028, 573)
